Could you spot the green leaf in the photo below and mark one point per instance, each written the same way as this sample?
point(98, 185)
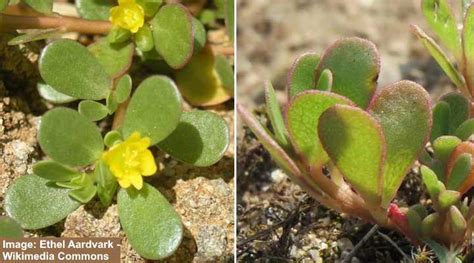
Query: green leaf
point(457, 222)
point(200, 139)
point(199, 81)
point(460, 109)
point(355, 66)
point(225, 72)
point(36, 35)
point(118, 35)
point(275, 116)
point(229, 17)
point(173, 34)
point(403, 110)
point(93, 110)
point(3, 4)
point(440, 17)
point(460, 172)
point(144, 39)
point(465, 130)
point(325, 81)
point(111, 103)
point(468, 46)
point(106, 183)
point(116, 59)
point(54, 171)
point(301, 74)
point(354, 141)
point(9, 228)
point(428, 224)
point(69, 137)
point(420, 210)
point(42, 6)
point(444, 146)
point(302, 118)
point(414, 221)
point(440, 57)
point(448, 198)
point(94, 10)
point(150, 6)
point(123, 88)
point(154, 110)
point(200, 36)
point(440, 120)
point(84, 194)
point(34, 203)
point(52, 95)
point(151, 224)
point(112, 137)
point(71, 69)
point(431, 182)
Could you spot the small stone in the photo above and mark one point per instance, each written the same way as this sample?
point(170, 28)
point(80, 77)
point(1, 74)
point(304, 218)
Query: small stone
point(278, 176)
point(211, 242)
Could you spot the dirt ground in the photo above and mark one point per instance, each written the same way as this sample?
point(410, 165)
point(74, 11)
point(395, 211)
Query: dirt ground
point(277, 222)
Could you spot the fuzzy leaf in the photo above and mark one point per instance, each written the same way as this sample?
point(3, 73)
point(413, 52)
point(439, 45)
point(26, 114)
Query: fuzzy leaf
point(302, 118)
point(354, 141)
point(52, 95)
point(403, 110)
point(444, 146)
point(325, 81)
point(36, 35)
point(71, 69)
point(34, 203)
point(275, 116)
point(115, 58)
point(201, 139)
point(9, 228)
point(173, 34)
point(459, 108)
point(42, 6)
point(154, 110)
point(199, 82)
point(69, 137)
point(94, 10)
point(465, 130)
point(106, 184)
point(54, 171)
point(84, 194)
point(440, 17)
point(440, 57)
point(355, 65)
point(460, 171)
point(123, 88)
point(93, 110)
point(463, 148)
point(440, 120)
point(151, 224)
point(301, 74)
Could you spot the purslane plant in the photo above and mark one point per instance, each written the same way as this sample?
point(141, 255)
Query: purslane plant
point(345, 145)
point(88, 161)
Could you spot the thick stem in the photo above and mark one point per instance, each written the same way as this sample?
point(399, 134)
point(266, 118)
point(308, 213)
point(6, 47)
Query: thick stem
point(65, 23)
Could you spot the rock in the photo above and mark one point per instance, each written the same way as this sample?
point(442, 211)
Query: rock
point(211, 242)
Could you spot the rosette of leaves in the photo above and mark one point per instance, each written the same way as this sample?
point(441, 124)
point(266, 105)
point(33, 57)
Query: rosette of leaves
point(346, 146)
point(172, 34)
point(448, 175)
point(75, 173)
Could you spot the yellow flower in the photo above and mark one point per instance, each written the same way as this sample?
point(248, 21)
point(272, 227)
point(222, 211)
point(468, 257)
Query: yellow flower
point(128, 15)
point(130, 160)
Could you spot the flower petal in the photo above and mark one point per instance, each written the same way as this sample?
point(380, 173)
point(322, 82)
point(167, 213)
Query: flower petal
point(137, 181)
point(147, 163)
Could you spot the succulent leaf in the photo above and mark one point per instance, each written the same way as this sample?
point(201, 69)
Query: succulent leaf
point(355, 65)
point(441, 113)
point(465, 130)
point(460, 172)
point(444, 146)
point(325, 81)
point(301, 75)
point(275, 115)
point(355, 143)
